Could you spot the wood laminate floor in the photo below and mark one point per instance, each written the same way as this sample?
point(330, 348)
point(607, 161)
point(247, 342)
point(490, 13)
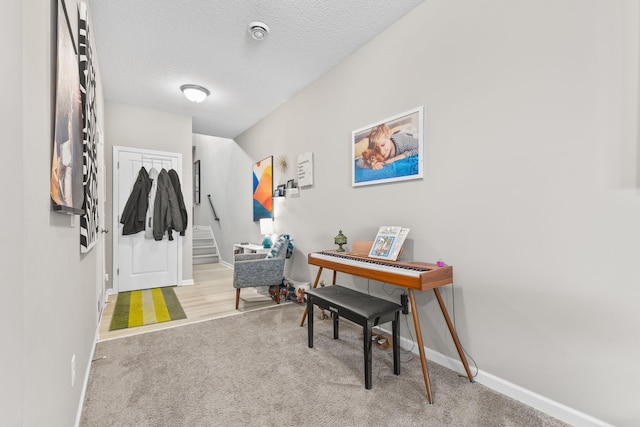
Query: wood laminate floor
point(212, 296)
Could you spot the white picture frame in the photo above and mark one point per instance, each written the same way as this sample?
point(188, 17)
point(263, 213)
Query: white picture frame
point(389, 150)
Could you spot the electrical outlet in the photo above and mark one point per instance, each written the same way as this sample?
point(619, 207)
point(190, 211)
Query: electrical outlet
point(73, 370)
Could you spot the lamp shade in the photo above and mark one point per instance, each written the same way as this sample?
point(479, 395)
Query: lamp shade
point(266, 226)
point(266, 229)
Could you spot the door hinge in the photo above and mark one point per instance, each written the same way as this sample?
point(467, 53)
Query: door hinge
point(118, 271)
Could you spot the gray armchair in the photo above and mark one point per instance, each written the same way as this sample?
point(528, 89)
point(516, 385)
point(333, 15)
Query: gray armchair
point(253, 270)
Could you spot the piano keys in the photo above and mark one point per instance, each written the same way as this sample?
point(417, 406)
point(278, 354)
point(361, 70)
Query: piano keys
point(416, 275)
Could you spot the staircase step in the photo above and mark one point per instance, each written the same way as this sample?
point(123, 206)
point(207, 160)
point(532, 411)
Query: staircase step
point(201, 232)
point(203, 245)
point(205, 259)
point(205, 250)
point(203, 242)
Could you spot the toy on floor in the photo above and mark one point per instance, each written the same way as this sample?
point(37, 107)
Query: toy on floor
point(300, 297)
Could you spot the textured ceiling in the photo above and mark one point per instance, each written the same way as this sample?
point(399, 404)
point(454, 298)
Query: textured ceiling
point(147, 49)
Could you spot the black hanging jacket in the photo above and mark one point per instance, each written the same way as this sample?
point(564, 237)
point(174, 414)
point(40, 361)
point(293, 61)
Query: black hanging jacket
point(135, 211)
point(166, 211)
point(175, 181)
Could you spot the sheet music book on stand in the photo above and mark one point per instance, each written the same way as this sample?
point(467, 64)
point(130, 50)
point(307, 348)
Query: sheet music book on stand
point(388, 242)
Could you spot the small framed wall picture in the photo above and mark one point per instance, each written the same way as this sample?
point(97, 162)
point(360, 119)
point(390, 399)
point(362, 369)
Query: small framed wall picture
point(292, 188)
point(196, 182)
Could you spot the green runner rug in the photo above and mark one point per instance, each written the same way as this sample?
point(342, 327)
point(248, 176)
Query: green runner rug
point(137, 308)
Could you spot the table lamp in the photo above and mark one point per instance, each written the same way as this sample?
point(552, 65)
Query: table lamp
point(266, 229)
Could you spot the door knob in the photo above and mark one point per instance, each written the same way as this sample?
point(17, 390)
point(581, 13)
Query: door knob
point(104, 230)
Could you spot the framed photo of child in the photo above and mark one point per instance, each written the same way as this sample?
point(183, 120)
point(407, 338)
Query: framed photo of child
point(389, 150)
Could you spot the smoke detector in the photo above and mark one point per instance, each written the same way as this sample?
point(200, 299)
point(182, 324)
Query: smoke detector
point(258, 30)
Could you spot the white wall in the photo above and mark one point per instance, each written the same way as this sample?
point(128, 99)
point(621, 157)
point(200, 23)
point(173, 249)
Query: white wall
point(530, 188)
point(49, 303)
point(11, 271)
point(226, 174)
point(146, 128)
point(222, 163)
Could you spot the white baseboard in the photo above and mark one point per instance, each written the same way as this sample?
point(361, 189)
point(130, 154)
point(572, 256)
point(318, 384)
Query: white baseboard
point(85, 382)
point(535, 400)
point(188, 282)
point(550, 407)
point(226, 264)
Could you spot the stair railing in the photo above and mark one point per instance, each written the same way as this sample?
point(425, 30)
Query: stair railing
point(215, 216)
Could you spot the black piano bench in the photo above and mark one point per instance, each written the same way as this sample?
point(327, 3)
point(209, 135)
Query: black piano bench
point(363, 309)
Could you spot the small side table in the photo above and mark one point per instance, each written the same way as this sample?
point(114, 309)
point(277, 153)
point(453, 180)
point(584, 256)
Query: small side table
point(249, 248)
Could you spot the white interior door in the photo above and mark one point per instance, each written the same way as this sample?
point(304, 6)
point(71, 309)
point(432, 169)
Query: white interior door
point(142, 263)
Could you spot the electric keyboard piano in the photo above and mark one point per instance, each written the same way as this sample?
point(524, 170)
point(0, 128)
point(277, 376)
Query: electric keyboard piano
point(412, 275)
point(416, 275)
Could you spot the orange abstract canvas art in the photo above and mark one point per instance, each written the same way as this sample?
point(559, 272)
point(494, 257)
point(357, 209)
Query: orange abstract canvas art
point(263, 189)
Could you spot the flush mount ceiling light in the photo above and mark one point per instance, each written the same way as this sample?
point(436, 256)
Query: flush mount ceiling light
point(194, 93)
point(258, 30)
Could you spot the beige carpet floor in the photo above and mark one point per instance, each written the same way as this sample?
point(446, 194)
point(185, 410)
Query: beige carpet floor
point(255, 369)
